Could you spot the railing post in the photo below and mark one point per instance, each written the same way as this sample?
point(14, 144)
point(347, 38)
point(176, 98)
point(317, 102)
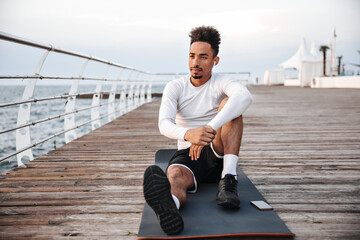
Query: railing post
point(23, 137)
point(112, 97)
point(95, 111)
point(142, 94)
point(69, 120)
point(148, 95)
point(123, 105)
point(130, 100)
point(137, 91)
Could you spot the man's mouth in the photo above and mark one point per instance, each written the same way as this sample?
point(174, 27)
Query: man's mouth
point(196, 69)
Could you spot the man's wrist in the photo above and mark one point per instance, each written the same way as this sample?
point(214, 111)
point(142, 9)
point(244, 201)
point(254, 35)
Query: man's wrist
point(210, 125)
point(185, 135)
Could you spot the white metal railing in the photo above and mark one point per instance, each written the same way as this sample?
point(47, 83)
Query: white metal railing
point(136, 89)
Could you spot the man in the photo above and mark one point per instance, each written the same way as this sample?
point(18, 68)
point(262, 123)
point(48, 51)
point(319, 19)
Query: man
point(203, 111)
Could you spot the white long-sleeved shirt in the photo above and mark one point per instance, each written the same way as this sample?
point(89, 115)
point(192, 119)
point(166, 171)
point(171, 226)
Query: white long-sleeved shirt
point(184, 106)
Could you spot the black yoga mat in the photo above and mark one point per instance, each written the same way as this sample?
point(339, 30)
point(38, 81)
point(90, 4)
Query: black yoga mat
point(203, 218)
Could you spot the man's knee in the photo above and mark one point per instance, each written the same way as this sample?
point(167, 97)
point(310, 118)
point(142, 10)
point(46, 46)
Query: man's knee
point(180, 175)
point(222, 104)
point(240, 119)
point(175, 172)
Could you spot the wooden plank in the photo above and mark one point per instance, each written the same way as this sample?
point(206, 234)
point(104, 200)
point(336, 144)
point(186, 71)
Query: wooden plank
point(301, 148)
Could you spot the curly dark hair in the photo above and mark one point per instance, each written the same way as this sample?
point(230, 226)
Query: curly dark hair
point(207, 34)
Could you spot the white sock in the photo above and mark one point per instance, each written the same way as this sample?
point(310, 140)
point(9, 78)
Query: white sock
point(176, 200)
point(230, 164)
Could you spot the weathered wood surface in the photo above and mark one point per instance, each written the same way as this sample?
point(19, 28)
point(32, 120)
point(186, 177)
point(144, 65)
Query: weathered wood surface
point(301, 148)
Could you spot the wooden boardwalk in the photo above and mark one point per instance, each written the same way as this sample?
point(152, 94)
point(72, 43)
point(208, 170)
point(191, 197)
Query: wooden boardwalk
point(301, 148)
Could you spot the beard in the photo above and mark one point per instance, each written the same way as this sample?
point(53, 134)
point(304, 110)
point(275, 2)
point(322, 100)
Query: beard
point(196, 77)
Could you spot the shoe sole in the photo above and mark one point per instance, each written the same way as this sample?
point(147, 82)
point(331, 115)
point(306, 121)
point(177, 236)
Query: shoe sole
point(228, 203)
point(158, 196)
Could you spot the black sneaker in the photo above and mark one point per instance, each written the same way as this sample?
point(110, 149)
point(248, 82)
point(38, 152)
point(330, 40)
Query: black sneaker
point(157, 194)
point(228, 196)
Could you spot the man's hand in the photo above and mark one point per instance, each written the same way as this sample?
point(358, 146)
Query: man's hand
point(203, 135)
point(199, 137)
point(195, 151)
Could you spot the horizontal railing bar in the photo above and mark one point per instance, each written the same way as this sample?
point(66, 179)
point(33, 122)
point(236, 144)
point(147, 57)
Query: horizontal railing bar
point(62, 78)
point(37, 100)
point(101, 79)
point(57, 97)
point(169, 74)
point(54, 117)
point(74, 78)
point(236, 73)
point(97, 79)
point(52, 136)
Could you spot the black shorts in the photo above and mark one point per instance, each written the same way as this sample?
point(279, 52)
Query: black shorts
point(207, 169)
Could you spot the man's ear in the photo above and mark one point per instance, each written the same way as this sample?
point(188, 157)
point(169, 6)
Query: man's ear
point(216, 60)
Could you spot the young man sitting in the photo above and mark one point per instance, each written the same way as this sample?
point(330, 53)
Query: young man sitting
point(203, 111)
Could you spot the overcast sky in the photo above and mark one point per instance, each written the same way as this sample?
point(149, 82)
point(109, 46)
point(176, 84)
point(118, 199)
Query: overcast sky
point(152, 35)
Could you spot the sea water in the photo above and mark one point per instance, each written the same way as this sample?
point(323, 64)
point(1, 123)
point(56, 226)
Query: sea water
point(41, 110)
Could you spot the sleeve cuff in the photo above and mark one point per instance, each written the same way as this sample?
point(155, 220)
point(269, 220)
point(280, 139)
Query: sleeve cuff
point(183, 134)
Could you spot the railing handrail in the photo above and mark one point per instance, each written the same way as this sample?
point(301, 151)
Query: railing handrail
point(49, 47)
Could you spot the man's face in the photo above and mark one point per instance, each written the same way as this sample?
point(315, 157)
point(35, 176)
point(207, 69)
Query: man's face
point(201, 60)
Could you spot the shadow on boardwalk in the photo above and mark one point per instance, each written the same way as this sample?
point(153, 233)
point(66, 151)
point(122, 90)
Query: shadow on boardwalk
point(301, 148)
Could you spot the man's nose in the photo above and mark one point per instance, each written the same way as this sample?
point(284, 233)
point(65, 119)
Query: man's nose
point(195, 61)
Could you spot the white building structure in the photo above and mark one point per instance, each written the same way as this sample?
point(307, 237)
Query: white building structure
point(308, 63)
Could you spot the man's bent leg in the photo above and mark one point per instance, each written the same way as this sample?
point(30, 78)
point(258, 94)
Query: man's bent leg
point(231, 135)
point(181, 179)
point(228, 137)
point(227, 142)
point(157, 193)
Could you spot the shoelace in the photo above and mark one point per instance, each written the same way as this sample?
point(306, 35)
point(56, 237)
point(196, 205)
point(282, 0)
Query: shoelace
point(230, 184)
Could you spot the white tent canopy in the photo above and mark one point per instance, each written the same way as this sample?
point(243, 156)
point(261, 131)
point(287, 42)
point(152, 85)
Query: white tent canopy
point(308, 63)
point(302, 54)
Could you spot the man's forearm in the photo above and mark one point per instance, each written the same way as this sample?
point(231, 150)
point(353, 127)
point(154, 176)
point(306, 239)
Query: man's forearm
point(235, 107)
point(171, 130)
